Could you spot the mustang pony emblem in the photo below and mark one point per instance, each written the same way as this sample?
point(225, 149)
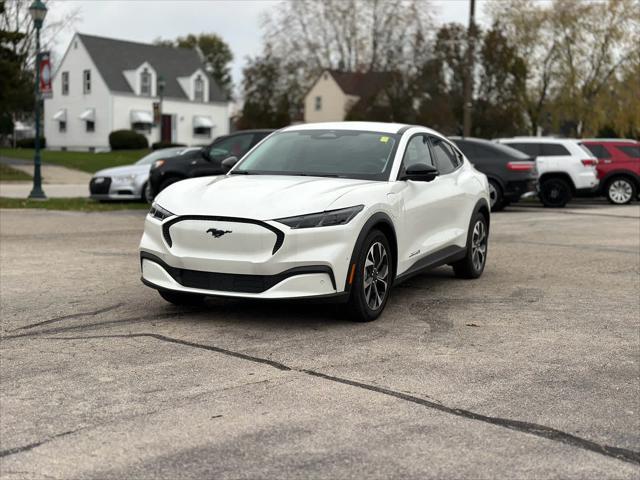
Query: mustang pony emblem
point(218, 233)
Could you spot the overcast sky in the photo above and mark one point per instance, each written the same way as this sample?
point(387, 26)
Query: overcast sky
point(238, 22)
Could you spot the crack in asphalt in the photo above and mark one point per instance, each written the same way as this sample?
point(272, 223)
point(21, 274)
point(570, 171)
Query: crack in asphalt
point(537, 430)
point(68, 317)
point(31, 446)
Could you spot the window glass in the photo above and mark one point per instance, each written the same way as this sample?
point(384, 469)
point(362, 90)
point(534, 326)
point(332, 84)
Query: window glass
point(86, 81)
point(65, 83)
point(531, 149)
point(199, 89)
point(318, 103)
point(417, 151)
point(90, 126)
point(335, 153)
point(631, 150)
point(554, 150)
point(202, 131)
point(159, 154)
point(145, 83)
point(234, 146)
point(141, 127)
point(62, 126)
point(469, 149)
point(446, 159)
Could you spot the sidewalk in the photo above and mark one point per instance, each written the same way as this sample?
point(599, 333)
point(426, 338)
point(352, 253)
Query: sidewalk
point(51, 190)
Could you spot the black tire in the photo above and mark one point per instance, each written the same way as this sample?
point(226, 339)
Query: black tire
point(472, 265)
point(168, 181)
point(365, 303)
point(496, 196)
point(555, 193)
point(143, 196)
point(620, 190)
point(180, 298)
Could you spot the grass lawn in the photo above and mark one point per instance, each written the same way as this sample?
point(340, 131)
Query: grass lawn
point(78, 204)
point(85, 161)
point(9, 174)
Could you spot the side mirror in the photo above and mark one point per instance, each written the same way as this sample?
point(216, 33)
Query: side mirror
point(228, 163)
point(420, 172)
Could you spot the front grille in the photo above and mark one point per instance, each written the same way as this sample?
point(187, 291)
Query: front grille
point(234, 282)
point(99, 188)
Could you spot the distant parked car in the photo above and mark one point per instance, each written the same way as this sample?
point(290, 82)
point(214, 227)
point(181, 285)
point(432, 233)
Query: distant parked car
point(128, 182)
point(618, 168)
point(565, 167)
point(203, 162)
point(511, 173)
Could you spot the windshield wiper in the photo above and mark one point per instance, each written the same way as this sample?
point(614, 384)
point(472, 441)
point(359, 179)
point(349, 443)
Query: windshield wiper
point(302, 174)
point(240, 172)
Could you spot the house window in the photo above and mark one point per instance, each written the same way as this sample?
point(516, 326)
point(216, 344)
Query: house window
point(65, 83)
point(90, 126)
point(202, 132)
point(141, 127)
point(318, 103)
point(145, 83)
point(86, 81)
point(62, 126)
point(199, 89)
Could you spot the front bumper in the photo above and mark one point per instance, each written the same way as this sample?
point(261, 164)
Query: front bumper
point(254, 260)
point(108, 188)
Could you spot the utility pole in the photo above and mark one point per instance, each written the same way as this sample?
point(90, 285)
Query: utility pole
point(468, 77)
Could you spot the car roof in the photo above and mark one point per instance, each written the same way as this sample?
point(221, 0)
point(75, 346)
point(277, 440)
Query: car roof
point(505, 149)
point(254, 130)
point(609, 140)
point(363, 126)
point(538, 140)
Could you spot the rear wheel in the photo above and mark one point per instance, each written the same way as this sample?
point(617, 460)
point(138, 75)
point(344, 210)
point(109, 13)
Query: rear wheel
point(472, 265)
point(620, 190)
point(555, 193)
point(181, 298)
point(496, 196)
point(372, 278)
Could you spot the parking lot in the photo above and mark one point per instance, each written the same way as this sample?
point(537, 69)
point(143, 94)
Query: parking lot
point(529, 372)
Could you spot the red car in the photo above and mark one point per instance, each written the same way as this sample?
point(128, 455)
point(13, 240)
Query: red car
point(618, 168)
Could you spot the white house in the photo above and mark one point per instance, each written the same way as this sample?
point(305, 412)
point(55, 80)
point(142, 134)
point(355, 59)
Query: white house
point(335, 93)
point(104, 84)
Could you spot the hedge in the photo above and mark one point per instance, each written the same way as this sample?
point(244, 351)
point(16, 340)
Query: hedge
point(30, 142)
point(127, 140)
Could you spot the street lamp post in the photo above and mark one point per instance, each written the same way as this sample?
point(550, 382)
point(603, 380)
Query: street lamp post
point(38, 11)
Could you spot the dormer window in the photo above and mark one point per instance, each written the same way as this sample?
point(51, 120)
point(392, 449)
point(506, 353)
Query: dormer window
point(145, 83)
point(198, 94)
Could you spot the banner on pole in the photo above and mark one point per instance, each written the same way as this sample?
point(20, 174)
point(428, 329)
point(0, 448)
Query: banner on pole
point(45, 75)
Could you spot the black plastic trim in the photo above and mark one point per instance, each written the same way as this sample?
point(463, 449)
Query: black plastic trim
point(234, 282)
point(448, 254)
point(167, 225)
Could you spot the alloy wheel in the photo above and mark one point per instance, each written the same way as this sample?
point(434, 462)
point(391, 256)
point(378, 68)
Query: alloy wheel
point(479, 245)
point(620, 191)
point(376, 275)
point(493, 194)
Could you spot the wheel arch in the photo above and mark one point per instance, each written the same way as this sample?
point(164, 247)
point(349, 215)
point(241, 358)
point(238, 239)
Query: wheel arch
point(621, 173)
point(561, 175)
point(382, 222)
point(482, 207)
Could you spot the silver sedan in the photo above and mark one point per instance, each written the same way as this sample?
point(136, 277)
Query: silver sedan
point(129, 182)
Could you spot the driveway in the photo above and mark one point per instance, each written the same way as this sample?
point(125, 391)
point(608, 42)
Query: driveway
point(529, 372)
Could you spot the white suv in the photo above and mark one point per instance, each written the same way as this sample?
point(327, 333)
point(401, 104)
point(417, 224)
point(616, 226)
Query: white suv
point(565, 167)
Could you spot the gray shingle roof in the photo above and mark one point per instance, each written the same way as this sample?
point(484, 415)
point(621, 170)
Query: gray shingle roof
point(112, 57)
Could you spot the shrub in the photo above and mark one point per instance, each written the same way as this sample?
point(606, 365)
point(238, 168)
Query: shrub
point(159, 145)
point(30, 142)
point(127, 140)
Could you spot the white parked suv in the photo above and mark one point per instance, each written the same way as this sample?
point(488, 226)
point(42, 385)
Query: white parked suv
point(565, 167)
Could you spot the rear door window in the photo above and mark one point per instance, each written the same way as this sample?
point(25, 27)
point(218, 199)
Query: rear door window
point(632, 151)
point(599, 151)
point(531, 149)
point(233, 146)
point(553, 150)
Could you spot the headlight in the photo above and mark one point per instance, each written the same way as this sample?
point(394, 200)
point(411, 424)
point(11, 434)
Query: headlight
point(158, 212)
point(157, 164)
point(328, 218)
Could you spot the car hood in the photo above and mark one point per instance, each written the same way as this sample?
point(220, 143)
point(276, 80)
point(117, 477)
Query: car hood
point(123, 170)
point(261, 197)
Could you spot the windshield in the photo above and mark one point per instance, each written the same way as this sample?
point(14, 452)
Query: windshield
point(158, 154)
point(323, 153)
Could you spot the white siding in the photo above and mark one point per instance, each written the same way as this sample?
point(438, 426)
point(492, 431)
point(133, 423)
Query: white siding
point(75, 61)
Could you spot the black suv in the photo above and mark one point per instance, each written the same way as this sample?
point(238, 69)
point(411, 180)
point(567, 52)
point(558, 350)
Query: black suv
point(203, 162)
point(511, 173)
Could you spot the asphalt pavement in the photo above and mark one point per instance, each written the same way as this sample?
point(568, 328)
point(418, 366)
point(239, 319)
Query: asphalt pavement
point(531, 371)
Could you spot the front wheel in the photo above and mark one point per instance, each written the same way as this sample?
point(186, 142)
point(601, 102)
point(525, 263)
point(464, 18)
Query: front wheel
point(620, 190)
point(472, 265)
point(555, 193)
point(372, 278)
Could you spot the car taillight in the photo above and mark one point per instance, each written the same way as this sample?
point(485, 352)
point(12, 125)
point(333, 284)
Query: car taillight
point(521, 166)
point(589, 162)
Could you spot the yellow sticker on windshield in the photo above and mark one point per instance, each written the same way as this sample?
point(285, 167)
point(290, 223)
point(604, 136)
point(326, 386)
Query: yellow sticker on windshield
point(384, 139)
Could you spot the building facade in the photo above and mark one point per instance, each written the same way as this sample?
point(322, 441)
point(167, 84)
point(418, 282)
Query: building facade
point(104, 84)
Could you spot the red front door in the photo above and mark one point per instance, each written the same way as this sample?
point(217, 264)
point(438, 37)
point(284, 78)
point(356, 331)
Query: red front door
point(166, 129)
